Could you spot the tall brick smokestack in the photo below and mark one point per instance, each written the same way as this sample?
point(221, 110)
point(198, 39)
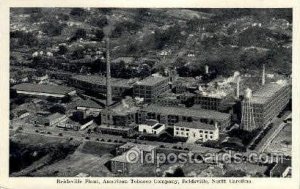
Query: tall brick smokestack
point(108, 74)
point(107, 31)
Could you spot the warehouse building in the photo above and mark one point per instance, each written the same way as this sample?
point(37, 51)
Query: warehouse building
point(96, 83)
point(151, 87)
point(57, 91)
point(173, 115)
point(267, 102)
point(196, 131)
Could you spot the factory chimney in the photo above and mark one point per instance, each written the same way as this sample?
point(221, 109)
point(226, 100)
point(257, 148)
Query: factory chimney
point(263, 79)
point(107, 30)
point(108, 75)
point(206, 69)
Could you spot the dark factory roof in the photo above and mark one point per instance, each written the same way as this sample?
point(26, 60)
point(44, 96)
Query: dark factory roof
point(39, 88)
point(196, 125)
point(188, 112)
point(101, 80)
point(88, 104)
point(151, 80)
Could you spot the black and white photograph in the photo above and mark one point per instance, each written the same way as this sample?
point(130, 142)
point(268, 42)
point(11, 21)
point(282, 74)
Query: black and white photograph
point(150, 92)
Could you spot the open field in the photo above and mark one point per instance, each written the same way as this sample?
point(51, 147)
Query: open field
point(55, 156)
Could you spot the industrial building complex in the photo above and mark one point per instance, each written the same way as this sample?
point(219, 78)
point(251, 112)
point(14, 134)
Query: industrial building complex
point(153, 109)
point(158, 111)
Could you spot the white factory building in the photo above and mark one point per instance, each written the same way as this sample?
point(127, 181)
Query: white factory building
point(152, 127)
point(196, 131)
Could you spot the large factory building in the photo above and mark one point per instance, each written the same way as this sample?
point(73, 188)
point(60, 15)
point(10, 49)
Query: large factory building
point(173, 115)
point(96, 83)
point(150, 88)
point(265, 104)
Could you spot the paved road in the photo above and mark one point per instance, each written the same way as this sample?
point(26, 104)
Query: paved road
point(278, 125)
point(271, 137)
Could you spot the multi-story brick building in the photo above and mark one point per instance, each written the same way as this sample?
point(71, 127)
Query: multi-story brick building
point(196, 131)
point(267, 102)
point(172, 115)
point(151, 87)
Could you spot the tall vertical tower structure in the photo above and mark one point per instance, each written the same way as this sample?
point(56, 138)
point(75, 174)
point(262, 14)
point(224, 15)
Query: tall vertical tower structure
point(107, 32)
point(247, 122)
point(108, 74)
point(106, 117)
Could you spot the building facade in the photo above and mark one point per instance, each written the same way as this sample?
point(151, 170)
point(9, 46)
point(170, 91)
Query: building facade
point(172, 115)
point(209, 103)
point(196, 131)
point(267, 103)
point(150, 88)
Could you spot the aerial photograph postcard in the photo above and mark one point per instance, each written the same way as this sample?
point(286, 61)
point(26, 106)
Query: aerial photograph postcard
point(150, 92)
